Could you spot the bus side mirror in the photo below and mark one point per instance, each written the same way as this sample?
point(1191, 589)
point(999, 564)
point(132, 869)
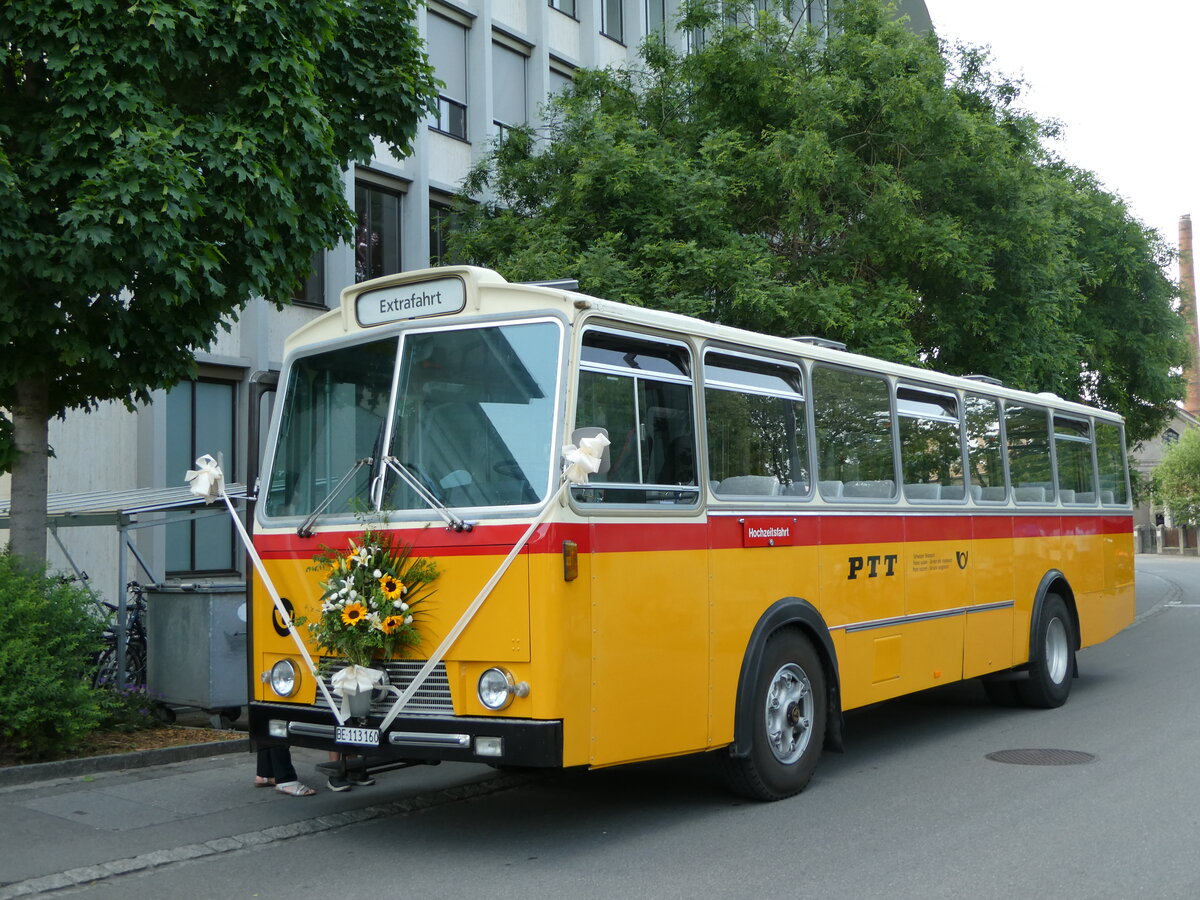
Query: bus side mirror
point(606, 459)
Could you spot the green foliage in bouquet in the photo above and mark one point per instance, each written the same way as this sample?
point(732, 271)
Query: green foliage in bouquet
point(371, 594)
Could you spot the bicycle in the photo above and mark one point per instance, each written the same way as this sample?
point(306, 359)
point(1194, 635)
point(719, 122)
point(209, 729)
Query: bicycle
point(107, 668)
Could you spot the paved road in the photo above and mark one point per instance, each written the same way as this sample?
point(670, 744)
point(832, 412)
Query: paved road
point(914, 808)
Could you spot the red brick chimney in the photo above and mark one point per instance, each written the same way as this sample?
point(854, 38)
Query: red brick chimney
point(1187, 308)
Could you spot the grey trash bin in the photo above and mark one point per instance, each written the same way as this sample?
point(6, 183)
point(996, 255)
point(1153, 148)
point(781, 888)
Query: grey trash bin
point(196, 645)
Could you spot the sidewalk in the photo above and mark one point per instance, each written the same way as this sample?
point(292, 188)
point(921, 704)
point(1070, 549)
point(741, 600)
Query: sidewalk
point(74, 830)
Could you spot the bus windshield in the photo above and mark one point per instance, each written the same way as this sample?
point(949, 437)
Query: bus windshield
point(472, 419)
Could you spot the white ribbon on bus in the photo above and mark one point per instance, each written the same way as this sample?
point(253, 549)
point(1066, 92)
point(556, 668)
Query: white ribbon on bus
point(579, 462)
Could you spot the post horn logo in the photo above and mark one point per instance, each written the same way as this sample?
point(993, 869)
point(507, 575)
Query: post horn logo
point(960, 557)
point(277, 620)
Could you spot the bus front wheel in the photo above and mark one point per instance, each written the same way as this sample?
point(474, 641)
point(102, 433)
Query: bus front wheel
point(788, 719)
point(1053, 667)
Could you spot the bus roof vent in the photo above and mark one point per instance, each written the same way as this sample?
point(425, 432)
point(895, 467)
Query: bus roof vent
point(819, 342)
point(985, 379)
point(563, 284)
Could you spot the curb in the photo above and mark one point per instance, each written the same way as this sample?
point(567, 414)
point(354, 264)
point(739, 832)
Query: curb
point(117, 762)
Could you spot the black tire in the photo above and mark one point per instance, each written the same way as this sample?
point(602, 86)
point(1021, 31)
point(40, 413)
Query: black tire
point(1053, 665)
point(106, 669)
point(135, 665)
point(789, 713)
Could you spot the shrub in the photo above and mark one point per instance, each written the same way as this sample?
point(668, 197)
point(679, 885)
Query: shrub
point(49, 636)
point(130, 709)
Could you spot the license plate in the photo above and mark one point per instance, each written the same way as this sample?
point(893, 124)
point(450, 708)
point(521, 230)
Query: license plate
point(365, 737)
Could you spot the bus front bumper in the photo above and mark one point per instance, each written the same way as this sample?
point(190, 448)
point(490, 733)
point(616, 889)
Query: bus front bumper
point(499, 741)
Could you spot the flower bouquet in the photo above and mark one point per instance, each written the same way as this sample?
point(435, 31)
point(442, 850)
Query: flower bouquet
point(369, 603)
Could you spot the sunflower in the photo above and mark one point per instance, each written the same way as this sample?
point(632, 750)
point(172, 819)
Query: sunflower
point(354, 613)
point(392, 586)
point(390, 624)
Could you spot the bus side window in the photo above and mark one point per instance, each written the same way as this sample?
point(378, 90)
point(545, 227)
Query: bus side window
point(640, 391)
point(852, 411)
point(930, 444)
point(756, 428)
point(1110, 455)
point(985, 452)
point(1029, 465)
point(1073, 455)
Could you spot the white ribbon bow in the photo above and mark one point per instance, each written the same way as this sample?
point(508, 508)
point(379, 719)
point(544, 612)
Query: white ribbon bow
point(206, 479)
point(354, 680)
point(585, 459)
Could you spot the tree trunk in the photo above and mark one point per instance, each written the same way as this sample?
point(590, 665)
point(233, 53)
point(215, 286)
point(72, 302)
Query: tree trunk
point(31, 440)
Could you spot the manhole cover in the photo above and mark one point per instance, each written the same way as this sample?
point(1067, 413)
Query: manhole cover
point(1042, 757)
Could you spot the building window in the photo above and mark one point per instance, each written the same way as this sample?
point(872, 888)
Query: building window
point(448, 53)
point(508, 88)
point(560, 82)
point(441, 223)
point(312, 292)
point(567, 7)
point(201, 417)
point(656, 17)
point(612, 20)
point(377, 235)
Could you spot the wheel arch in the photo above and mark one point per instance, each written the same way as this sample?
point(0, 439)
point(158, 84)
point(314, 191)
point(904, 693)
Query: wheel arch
point(799, 614)
point(1053, 582)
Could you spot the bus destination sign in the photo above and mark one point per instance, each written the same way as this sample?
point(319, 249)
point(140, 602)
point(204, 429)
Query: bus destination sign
point(411, 301)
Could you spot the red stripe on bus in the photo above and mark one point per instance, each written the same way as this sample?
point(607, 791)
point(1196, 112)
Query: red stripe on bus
point(718, 533)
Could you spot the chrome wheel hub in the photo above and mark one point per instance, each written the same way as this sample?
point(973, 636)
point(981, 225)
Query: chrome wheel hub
point(789, 713)
point(1058, 650)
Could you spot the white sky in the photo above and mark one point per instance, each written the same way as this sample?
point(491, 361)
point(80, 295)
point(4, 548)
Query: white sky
point(1120, 76)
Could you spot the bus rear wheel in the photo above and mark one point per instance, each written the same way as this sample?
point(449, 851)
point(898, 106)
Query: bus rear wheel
point(789, 715)
point(1050, 673)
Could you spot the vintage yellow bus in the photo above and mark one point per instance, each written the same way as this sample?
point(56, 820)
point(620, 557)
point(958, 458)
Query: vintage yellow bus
point(779, 531)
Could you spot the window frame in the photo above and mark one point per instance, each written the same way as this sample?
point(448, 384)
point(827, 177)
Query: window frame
point(958, 420)
point(655, 506)
point(892, 432)
point(1047, 414)
point(1090, 441)
point(230, 468)
point(451, 110)
point(804, 455)
point(606, 9)
point(399, 194)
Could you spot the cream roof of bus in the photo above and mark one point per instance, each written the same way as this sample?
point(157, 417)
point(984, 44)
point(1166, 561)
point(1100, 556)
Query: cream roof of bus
point(484, 283)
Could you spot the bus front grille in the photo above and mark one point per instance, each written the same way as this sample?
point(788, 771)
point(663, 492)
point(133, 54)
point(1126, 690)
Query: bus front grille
point(431, 699)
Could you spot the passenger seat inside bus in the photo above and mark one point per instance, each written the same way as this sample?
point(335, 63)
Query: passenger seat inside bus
point(883, 487)
point(755, 485)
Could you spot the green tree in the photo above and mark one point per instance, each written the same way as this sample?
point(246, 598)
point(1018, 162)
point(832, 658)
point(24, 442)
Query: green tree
point(872, 186)
point(160, 164)
point(1176, 480)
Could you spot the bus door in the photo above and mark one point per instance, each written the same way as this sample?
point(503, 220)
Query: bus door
point(648, 540)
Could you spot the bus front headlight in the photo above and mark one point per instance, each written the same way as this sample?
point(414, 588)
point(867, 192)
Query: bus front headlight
point(285, 678)
point(496, 689)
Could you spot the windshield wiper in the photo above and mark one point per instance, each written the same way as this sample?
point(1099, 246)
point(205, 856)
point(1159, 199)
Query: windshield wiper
point(305, 529)
point(453, 522)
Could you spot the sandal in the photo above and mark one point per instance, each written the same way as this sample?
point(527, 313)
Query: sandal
point(259, 781)
point(295, 789)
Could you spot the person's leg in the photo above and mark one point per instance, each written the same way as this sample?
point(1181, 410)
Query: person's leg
point(281, 763)
point(338, 780)
point(264, 770)
point(286, 781)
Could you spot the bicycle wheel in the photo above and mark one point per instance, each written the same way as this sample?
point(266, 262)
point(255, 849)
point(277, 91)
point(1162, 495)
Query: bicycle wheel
point(106, 669)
